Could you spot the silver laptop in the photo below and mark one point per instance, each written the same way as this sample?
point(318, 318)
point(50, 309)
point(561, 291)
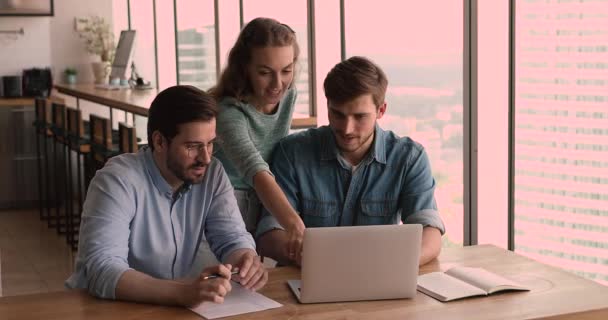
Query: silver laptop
point(359, 263)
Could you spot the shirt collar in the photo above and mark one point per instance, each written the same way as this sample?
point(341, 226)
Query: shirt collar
point(329, 149)
point(379, 145)
point(182, 191)
point(159, 181)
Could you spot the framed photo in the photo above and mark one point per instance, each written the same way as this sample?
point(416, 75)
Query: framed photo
point(26, 8)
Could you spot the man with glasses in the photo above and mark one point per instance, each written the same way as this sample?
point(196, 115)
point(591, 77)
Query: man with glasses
point(147, 214)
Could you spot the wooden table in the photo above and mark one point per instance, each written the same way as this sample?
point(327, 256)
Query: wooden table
point(23, 102)
point(135, 101)
point(555, 294)
point(16, 102)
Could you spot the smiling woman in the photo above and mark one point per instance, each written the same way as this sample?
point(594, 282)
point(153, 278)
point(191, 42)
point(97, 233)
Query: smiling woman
point(271, 74)
point(256, 100)
point(293, 13)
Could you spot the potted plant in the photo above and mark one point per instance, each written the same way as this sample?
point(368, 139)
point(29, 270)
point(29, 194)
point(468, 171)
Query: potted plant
point(99, 40)
point(70, 75)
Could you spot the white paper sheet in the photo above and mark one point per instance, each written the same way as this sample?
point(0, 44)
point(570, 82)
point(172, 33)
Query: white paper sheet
point(238, 301)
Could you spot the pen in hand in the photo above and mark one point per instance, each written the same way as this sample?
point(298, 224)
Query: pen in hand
point(215, 275)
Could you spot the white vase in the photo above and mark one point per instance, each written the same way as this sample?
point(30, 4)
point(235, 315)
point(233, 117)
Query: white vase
point(101, 70)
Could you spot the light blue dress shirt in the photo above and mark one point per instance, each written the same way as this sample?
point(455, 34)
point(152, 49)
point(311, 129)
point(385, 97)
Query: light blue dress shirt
point(131, 221)
point(392, 183)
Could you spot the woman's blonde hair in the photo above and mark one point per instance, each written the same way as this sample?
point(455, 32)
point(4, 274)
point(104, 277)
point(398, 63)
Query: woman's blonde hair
point(258, 33)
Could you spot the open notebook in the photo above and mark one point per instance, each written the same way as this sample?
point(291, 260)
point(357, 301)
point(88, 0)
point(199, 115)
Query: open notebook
point(463, 282)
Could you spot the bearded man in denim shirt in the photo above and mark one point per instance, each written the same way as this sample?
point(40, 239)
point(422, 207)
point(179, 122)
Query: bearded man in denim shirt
point(352, 172)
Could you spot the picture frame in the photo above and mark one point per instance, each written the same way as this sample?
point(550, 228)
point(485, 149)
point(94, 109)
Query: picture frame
point(27, 8)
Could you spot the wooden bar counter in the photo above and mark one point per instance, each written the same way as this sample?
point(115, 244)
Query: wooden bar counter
point(555, 294)
point(135, 101)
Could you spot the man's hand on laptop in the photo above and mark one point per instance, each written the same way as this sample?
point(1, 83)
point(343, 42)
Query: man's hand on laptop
point(204, 288)
point(252, 274)
point(295, 234)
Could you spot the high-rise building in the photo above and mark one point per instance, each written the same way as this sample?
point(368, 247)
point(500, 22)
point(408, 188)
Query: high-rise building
point(196, 57)
point(302, 107)
point(561, 134)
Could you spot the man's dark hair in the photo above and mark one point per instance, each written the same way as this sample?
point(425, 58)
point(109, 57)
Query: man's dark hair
point(177, 105)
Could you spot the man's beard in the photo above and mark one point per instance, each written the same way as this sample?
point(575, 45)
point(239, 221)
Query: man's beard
point(356, 148)
point(181, 172)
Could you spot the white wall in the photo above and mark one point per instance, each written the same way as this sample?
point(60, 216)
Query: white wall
point(32, 49)
point(50, 41)
point(67, 49)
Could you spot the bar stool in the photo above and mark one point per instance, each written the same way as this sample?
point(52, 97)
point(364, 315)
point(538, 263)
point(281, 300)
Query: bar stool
point(102, 146)
point(79, 143)
point(42, 126)
point(128, 142)
point(106, 143)
point(58, 128)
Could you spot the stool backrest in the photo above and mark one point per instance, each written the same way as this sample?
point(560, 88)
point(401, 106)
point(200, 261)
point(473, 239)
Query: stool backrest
point(59, 115)
point(101, 131)
point(43, 116)
point(127, 138)
point(75, 123)
point(101, 140)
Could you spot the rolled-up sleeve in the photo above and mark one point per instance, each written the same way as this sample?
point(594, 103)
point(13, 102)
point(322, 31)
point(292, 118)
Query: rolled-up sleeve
point(417, 199)
point(104, 235)
point(224, 226)
point(232, 128)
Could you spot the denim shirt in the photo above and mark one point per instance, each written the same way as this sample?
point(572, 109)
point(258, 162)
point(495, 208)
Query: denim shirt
point(393, 183)
point(132, 220)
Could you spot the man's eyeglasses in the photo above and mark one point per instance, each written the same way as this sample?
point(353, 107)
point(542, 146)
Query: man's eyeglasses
point(195, 149)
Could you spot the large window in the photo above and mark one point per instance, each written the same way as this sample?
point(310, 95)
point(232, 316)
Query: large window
point(492, 122)
point(195, 35)
point(420, 49)
point(165, 43)
point(561, 134)
point(560, 100)
point(229, 27)
point(144, 55)
point(327, 50)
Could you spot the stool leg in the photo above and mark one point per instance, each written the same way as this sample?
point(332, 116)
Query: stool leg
point(78, 213)
point(47, 184)
point(87, 173)
point(62, 219)
point(52, 222)
point(69, 212)
point(40, 189)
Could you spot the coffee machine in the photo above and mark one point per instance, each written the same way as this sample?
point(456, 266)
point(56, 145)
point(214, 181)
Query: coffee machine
point(35, 82)
point(12, 87)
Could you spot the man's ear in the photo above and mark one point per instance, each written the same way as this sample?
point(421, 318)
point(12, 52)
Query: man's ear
point(158, 140)
point(381, 110)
